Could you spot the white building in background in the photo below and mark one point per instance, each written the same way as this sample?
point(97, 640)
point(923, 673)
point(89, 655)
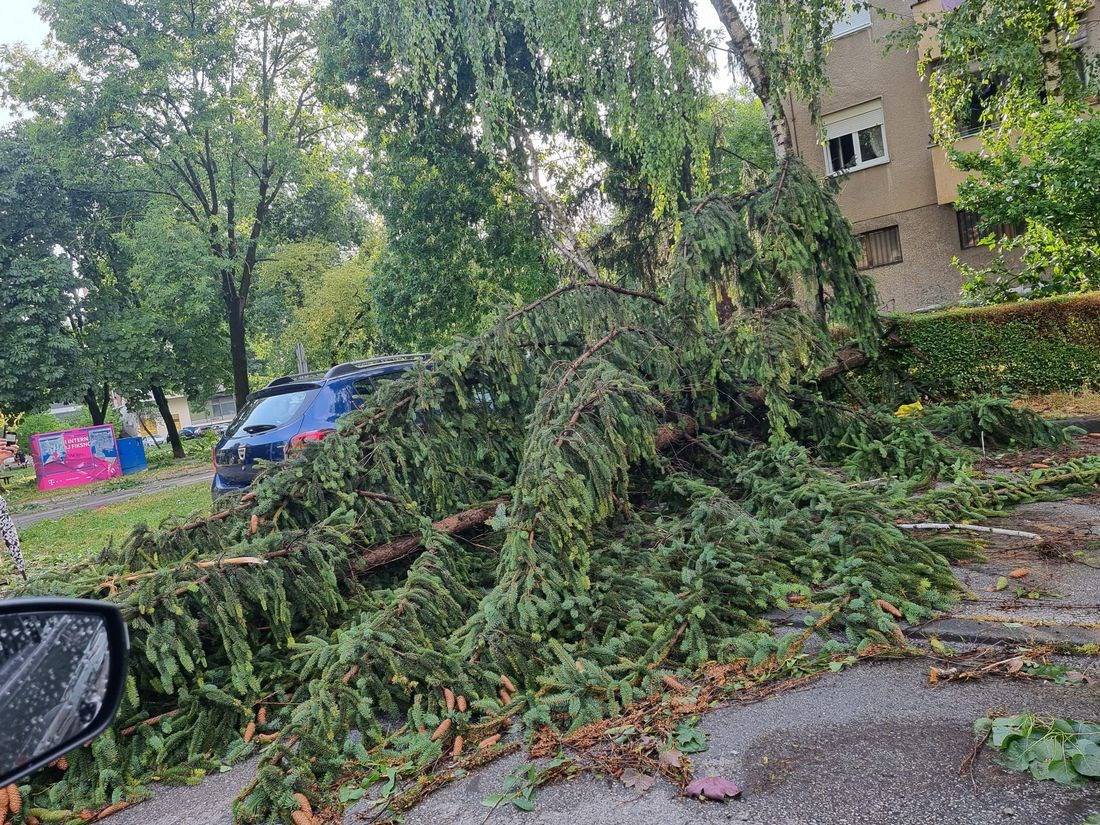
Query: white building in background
point(220, 409)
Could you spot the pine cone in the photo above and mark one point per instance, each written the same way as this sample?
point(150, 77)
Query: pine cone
point(303, 803)
point(441, 731)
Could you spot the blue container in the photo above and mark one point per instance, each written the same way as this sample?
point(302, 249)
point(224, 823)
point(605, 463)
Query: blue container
point(131, 455)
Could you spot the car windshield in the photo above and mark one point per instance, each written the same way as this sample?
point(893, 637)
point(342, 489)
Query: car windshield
point(269, 412)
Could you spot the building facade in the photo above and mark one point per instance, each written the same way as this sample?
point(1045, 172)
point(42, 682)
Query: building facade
point(898, 190)
point(220, 409)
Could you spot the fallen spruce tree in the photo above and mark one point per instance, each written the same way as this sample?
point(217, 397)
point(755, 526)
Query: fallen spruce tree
point(544, 525)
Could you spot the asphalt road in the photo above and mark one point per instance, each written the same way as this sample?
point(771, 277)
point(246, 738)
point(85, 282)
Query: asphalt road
point(875, 744)
point(75, 503)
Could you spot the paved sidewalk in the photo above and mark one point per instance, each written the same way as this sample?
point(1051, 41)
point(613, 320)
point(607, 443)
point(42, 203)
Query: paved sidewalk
point(72, 504)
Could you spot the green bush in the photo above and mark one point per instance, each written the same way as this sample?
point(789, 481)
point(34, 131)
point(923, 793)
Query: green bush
point(34, 423)
point(1016, 349)
point(161, 455)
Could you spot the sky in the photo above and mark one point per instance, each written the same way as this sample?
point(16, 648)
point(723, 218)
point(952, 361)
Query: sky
point(20, 23)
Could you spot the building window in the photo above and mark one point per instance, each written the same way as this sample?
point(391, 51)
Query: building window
point(971, 121)
point(855, 138)
point(879, 248)
point(970, 234)
point(855, 20)
point(223, 407)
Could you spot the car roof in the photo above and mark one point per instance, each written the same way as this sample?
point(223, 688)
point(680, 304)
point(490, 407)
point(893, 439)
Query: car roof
point(367, 366)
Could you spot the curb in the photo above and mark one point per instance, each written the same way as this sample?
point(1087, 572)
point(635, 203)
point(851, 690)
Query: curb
point(978, 632)
point(1088, 423)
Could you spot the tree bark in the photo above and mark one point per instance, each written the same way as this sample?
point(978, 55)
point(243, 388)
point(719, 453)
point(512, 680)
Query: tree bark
point(742, 45)
point(383, 554)
point(238, 351)
point(97, 408)
point(169, 422)
point(555, 225)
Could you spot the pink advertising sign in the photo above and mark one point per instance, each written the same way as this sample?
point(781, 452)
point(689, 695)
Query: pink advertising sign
point(75, 457)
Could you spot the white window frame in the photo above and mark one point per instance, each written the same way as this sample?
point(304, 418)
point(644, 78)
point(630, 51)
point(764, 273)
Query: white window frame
point(856, 20)
point(850, 122)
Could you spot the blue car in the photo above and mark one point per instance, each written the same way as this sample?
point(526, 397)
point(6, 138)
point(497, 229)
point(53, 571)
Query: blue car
point(292, 411)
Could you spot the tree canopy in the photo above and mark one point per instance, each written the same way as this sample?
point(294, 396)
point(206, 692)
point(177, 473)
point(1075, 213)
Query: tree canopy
point(1014, 71)
point(38, 294)
point(211, 107)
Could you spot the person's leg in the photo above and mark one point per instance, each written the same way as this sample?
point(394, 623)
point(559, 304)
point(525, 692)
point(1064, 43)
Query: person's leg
point(10, 538)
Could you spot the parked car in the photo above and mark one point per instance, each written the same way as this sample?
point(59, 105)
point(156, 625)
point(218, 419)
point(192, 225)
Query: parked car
point(292, 411)
point(199, 430)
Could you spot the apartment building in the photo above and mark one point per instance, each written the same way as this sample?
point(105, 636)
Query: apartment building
point(898, 189)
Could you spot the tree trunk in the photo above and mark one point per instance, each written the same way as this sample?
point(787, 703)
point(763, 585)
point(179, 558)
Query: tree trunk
point(97, 408)
point(169, 422)
point(238, 351)
point(748, 55)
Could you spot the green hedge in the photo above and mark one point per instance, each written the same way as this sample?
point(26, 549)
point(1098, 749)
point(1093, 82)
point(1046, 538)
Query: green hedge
point(1010, 349)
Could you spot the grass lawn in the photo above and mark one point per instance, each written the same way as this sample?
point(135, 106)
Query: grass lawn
point(20, 492)
point(1064, 404)
point(74, 537)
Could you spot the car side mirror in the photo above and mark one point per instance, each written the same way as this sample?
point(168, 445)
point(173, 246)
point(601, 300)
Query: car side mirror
point(62, 672)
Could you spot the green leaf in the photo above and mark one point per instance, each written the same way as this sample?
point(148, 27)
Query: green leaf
point(1087, 764)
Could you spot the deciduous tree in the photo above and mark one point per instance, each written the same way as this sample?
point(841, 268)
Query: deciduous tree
point(209, 106)
point(1016, 71)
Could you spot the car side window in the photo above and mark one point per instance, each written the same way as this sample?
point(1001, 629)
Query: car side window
point(360, 390)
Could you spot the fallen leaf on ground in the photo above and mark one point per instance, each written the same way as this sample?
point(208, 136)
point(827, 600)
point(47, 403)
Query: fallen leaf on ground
point(671, 758)
point(714, 788)
point(1079, 676)
point(641, 782)
point(1019, 573)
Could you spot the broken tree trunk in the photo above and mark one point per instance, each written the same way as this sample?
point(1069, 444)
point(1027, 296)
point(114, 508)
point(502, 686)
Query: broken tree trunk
point(383, 554)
